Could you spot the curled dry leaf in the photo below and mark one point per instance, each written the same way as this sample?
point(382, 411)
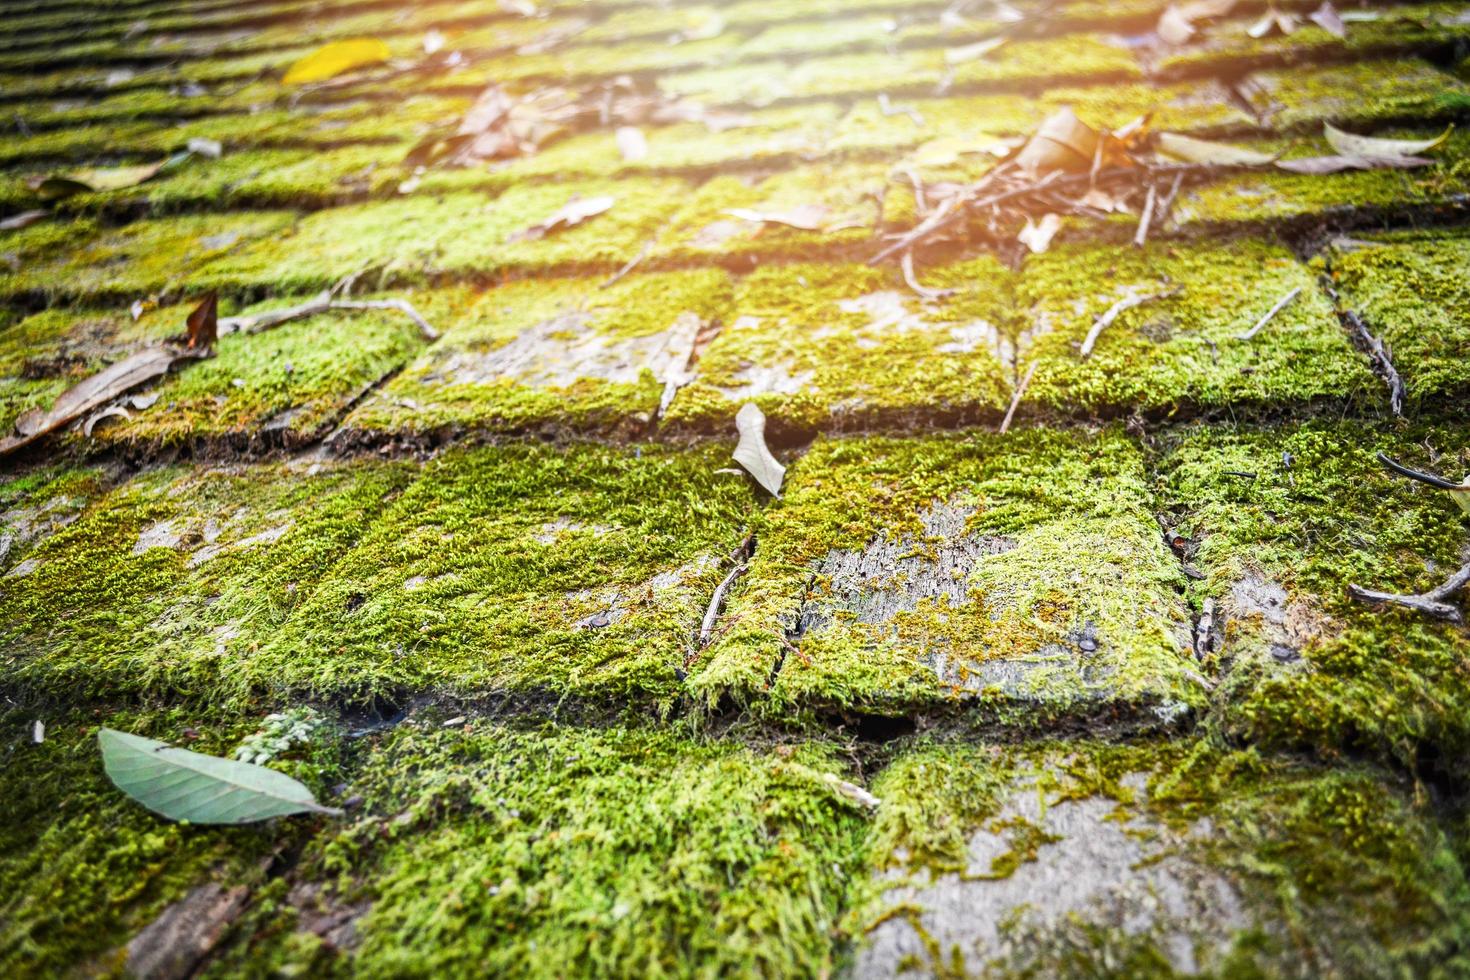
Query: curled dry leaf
point(203, 789)
point(573, 213)
point(753, 453)
point(23, 220)
point(852, 791)
point(1062, 142)
point(1327, 18)
point(632, 144)
point(1320, 166)
point(803, 217)
point(1274, 21)
point(56, 187)
point(1037, 235)
point(331, 60)
point(1205, 151)
point(203, 323)
point(1177, 24)
point(972, 52)
point(1350, 145)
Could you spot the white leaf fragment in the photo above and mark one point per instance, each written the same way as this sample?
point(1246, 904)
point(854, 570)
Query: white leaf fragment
point(1350, 145)
point(852, 791)
point(753, 453)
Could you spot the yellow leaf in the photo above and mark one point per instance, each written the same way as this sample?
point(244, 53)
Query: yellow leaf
point(333, 59)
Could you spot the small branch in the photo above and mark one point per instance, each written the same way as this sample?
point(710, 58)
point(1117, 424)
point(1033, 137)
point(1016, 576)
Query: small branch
point(1166, 207)
point(1281, 304)
point(632, 264)
point(1380, 355)
point(1116, 310)
point(1432, 603)
point(1005, 423)
point(322, 303)
point(1140, 238)
point(707, 625)
point(923, 292)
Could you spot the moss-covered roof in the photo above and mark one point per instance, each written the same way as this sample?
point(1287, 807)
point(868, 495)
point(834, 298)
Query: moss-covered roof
point(1093, 691)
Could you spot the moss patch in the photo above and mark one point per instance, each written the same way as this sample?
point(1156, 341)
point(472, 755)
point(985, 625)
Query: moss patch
point(1183, 350)
point(1023, 573)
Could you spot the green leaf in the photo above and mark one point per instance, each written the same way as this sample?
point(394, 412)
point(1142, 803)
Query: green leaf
point(183, 785)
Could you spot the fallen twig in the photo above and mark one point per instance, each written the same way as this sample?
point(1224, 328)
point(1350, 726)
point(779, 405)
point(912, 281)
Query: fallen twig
point(707, 625)
point(1281, 304)
point(1432, 603)
point(1140, 237)
point(322, 303)
point(1438, 482)
point(923, 292)
point(1381, 357)
point(1005, 423)
point(1115, 311)
point(632, 264)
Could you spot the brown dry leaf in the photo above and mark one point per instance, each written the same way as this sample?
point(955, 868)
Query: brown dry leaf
point(1205, 151)
point(56, 187)
point(804, 217)
point(1350, 145)
point(972, 52)
point(203, 323)
point(94, 392)
point(1177, 24)
point(1063, 142)
point(573, 213)
point(1327, 18)
point(1037, 235)
point(707, 24)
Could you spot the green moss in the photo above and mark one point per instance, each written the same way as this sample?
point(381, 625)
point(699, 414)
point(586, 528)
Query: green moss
point(555, 852)
point(1405, 91)
point(1198, 107)
point(580, 570)
point(1243, 865)
point(84, 868)
point(981, 120)
point(702, 229)
point(1228, 44)
point(1071, 59)
point(1183, 351)
point(824, 346)
point(172, 581)
point(1305, 663)
point(1023, 573)
point(1414, 297)
point(559, 354)
point(141, 259)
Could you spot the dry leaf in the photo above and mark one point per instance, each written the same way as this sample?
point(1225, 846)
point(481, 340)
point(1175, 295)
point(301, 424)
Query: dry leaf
point(804, 217)
point(632, 144)
point(1204, 151)
point(972, 52)
point(752, 451)
point(1372, 147)
point(94, 392)
point(1274, 21)
point(23, 220)
point(56, 187)
point(1319, 166)
point(203, 323)
point(1327, 18)
point(1037, 235)
point(1177, 24)
point(434, 40)
point(205, 147)
point(852, 791)
point(333, 59)
point(1063, 142)
point(573, 213)
point(708, 24)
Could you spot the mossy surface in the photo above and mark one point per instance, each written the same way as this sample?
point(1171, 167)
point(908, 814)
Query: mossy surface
point(84, 867)
point(556, 354)
point(579, 571)
point(1022, 572)
point(820, 347)
point(1413, 294)
point(1280, 521)
point(574, 853)
point(1404, 90)
point(1251, 866)
point(1182, 350)
point(171, 582)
